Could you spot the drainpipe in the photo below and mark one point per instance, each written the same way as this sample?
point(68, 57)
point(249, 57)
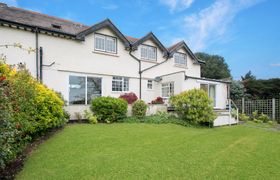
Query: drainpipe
point(140, 72)
point(41, 64)
point(37, 57)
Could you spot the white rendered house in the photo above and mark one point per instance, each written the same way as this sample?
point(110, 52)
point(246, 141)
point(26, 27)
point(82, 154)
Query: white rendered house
point(83, 62)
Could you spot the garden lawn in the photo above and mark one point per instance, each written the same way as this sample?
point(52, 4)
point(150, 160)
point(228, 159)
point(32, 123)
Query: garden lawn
point(151, 151)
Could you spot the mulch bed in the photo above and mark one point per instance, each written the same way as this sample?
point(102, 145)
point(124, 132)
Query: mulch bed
point(10, 171)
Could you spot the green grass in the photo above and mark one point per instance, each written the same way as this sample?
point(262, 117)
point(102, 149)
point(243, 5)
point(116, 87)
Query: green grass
point(150, 151)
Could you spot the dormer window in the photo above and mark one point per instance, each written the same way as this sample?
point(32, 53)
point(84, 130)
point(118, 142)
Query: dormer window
point(105, 43)
point(148, 53)
point(180, 59)
point(56, 26)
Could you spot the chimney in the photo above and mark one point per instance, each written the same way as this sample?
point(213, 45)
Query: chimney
point(3, 5)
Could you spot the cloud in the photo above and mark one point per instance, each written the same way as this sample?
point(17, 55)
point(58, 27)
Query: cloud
point(10, 2)
point(212, 23)
point(275, 65)
point(111, 7)
point(177, 5)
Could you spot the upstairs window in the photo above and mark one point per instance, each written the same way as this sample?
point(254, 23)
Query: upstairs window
point(167, 89)
point(105, 43)
point(120, 84)
point(148, 52)
point(180, 59)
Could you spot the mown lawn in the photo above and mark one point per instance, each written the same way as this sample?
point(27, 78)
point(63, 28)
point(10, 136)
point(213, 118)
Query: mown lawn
point(150, 151)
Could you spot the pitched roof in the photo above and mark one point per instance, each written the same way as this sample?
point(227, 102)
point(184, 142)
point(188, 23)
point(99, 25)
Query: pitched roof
point(131, 39)
point(174, 48)
point(31, 18)
point(151, 36)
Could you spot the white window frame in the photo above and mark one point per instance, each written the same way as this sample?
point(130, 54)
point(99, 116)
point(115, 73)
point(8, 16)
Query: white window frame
point(208, 91)
point(86, 88)
point(180, 62)
point(122, 81)
point(108, 48)
point(169, 87)
point(146, 52)
point(150, 84)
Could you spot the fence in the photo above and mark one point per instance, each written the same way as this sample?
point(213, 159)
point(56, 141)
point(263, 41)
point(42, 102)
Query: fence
point(270, 107)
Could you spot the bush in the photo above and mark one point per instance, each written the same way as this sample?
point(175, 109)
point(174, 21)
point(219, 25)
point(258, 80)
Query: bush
point(27, 109)
point(194, 106)
point(109, 109)
point(244, 117)
point(264, 118)
point(139, 109)
point(158, 100)
point(129, 97)
point(90, 117)
point(255, 115)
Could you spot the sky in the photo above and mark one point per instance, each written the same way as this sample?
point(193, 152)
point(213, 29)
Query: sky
point(245, 32)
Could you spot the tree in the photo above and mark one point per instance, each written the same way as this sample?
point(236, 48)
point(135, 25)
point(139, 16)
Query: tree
point(215, 66)
point(236, 90)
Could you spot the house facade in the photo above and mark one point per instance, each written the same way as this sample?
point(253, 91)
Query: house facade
point(83, 62)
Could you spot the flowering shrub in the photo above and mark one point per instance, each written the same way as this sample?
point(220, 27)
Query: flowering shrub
point(158, 100)
point(129, 97)
point(27, 109)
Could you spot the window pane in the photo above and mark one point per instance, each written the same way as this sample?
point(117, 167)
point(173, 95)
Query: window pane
point(204, 87)
point(77, 90)
point(150, 84)
point(212, 93)
point(110, 44)
point(120, 84)
point(180, 59)
point(94, 88)
point(100, 42)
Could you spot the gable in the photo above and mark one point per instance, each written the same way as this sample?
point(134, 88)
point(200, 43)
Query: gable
point(106, 24)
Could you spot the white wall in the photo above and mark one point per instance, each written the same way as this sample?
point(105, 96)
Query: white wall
point(73, 57)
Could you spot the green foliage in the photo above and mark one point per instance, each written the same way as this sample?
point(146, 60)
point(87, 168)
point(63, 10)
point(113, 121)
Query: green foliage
point(244, 117)
point(27, 110)
point(92, 119)
point(78, 116)
point(109, 109)
point(194, 106)
point(139, 109)
point(264, 118)
point(237, 90)
point(255, 115)
point(215, 66)
point(261, 88)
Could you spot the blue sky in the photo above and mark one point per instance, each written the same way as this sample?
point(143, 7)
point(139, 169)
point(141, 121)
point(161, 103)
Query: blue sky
point(245, 32)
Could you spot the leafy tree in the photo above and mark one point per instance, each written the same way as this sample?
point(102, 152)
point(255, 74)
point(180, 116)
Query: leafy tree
point(215, 66)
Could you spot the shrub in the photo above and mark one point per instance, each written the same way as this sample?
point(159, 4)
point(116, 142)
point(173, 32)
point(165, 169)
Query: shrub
point(109, 109)
point(270, 122)
point(78, 116)
point(158, 100)
point(27, 109)
point(139, 108)
point(255, 115)
point(129, 97)
point(264, 118)
point(92, 119)
point(244, 117)
point(194, 106)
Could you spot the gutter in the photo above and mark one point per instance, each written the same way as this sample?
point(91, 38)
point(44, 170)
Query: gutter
point(140, 72)
point(207, 79)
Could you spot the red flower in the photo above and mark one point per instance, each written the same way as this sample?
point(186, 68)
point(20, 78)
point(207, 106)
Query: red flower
point(2, 78)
